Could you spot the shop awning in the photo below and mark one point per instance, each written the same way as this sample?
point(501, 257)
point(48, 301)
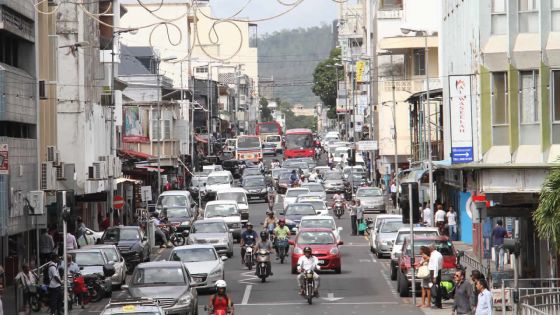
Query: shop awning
point(399, 43)
point(135, 154)
point(124, 180)
point(150, 168)
point(200, 138)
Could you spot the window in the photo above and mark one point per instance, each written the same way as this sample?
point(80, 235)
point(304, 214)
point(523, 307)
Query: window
point(500, 109)
point(499, 19)
point(201, 69)
point(555, 15)
point(391, 4)
point(529, 107)
point(155, 132)
point(419, 62)
point(555, 83)
point(528, 16)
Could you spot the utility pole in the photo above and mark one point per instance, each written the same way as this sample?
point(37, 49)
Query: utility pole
point(395, 134)
point(209, 113)
point(429, 138)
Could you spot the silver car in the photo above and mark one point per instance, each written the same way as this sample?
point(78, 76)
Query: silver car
point(372, 199)
point(115, 258)
point(333, 182)
point(315, 189)
point(91, 261)
point(386, 234)
point(203, 262)
point(214, 232)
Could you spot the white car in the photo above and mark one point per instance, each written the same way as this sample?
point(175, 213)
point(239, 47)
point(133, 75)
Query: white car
point(399, 240)
point(90, 237)
point(320, 206)
point(276, 140)
point(114, 257)
point(228, 211)
point(315, 189)
point(218, 180)
point(240, 196)
point(324, 221)
point(203, 263)
point(292, 194)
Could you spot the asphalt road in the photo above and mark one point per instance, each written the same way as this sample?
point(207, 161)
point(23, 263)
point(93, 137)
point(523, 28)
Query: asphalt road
point(363, 287)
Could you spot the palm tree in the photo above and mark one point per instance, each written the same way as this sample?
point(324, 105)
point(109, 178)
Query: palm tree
point(547, 215)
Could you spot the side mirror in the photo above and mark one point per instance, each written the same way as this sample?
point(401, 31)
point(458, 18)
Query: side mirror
point(223, 258)
point(291, 242)
point(339, 228)
point(340, 243)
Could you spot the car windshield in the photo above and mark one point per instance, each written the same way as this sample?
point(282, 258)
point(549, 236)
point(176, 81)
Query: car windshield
point(238, 197)
point(198, 181)
point(177, 214)
point(285, 176)
point(317, 204)
point(111, 254)
point(406, 234)
point(333, 176)
point(172, 201)
point(299, 141)
point(314, 187)
point(194, 255)
point(88, 258)
point(391, 227)
point(122, 235)
point(300, 209)
point(444, 247)
point(317, 223)
point(296, 165)
point(317, 238)
point(273, 139)
point(220, 210)
point(254, 182)
point(277, 171)
point(248, 142)
point(296, 192)
point(217, 180)
point(251, 171)
point(370, 192)
point(209, 227)
point(158, 276)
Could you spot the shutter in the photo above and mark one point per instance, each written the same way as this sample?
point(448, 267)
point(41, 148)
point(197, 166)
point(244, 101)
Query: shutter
point(166, 125)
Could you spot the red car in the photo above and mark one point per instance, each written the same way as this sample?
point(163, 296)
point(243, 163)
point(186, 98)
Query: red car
point(323, 246)
point(443, 245)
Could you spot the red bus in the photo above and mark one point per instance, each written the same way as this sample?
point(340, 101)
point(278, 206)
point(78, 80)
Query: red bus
point(299, 143)
point(268, 128)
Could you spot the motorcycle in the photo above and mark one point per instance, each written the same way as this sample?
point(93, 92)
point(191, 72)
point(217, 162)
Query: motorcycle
point(338, 208)
point(175, 237)
point(249, 258)
point(94, 283)
point(263, 261)
point(219, 312)
point(282, 248)
point(309, 286)
point(38, 296)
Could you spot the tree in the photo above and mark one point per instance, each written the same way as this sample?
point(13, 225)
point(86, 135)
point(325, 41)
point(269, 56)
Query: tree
point(325, 80)
point(547, 215)
point(265, 111)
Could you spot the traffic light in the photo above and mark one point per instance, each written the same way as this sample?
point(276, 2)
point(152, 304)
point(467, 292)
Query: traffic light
point(404, 203)
point(351, 159)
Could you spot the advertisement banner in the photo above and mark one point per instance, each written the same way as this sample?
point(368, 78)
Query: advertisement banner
point(4, 159)
point(358, 123)
point(136, 125)
point(461, 115)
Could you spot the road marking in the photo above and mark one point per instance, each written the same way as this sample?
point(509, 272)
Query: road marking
point(248, 277)
point(330, 297)
point(364, 260)
point(372, 257)
point(247, 294)
point(325, 303)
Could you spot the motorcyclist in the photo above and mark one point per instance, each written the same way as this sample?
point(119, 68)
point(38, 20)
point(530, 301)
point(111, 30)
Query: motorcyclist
point(266, 244)
point(248, 237)
point(281, 232)
point(158, 232)
point(308, 262)
point(269, 222)
point(220, 301)
point(293, 178)
point(271, 196)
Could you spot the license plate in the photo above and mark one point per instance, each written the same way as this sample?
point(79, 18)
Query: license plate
point(254, 197)
point(321, 261)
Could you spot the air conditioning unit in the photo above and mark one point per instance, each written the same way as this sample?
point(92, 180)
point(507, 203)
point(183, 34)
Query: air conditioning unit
point(100, 170)
point(36, 201)
point(51, 153)
point(242, 99)
point(48, 176)
point(108, 160)
point(60, 171)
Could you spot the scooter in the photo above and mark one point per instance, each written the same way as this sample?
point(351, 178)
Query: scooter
point(219, 312)
point(263, 261)
point(282, 248)
point(249, 260)
point(38, 297)
point(308, 286)
point(338, 208)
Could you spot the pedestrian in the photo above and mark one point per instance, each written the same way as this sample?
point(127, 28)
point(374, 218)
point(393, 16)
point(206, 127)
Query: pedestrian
point(463, 298)
point(498, 235)
point(72, 266)
point(425, 285)
point(427, 215)
point(354, 217)
point(26, 279)
point(46, 246)
point(81, 230)
point(106, 223)
point(484, 305)
point(394, 194)
point(71, 241)
point(440, 219)
point(435, 265)
point(54, 285)
point(452, 223)
point(475, 276)
point(359, 215)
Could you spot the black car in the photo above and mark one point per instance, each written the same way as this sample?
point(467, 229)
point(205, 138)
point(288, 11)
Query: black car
point(255, 187)
point(131, 242)
point(250, 172)
point(234, 166)
point(283, 182)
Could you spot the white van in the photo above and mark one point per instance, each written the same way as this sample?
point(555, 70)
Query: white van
point(240, 196)
point(175, 199)
point(216, 181)
point(276, 140)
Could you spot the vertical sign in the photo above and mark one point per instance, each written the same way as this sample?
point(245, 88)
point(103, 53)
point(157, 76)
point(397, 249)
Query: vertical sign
point(4, 159)
point(460, 106)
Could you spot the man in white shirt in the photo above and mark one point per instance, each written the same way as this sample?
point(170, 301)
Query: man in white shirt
point(308, 262)
point(427, 215)
point(484, 304)
point(440, 218)
point(452, 223)
point(394, 194)
point(435, 265)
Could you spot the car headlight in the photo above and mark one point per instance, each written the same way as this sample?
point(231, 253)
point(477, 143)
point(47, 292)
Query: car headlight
point(334, 251)
point(185, 300)
point(263, 190)
point(298, 251)
point(215, 272)
point(389, 243)
point(224, 240)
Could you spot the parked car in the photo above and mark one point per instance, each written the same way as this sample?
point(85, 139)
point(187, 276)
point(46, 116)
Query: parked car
point(175, 198)
point(234, 166)
point(372, 199)
point(256, 188)
point(91, 261)
point(292, 194)
point(323, 245)
point(239, 195)
point(116, 259)
point(333, 182)
point(404, 270)
point(386, 235)
point(402, 235)
point(90, 237)
point(315, 189)
point(131, 242)
point(294, 212)
point(316, 221)
point(269, 149)
point(203, 263)
point(228, 211)
point(168, 282)
point(214, 232)
point(132, 306)
point(374, 227)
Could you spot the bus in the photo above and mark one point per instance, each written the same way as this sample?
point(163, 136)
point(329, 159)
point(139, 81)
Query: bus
point(299, 143)
point(268, 128)
point(248, 147)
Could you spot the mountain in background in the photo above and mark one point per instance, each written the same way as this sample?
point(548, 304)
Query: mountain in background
point(290, 56)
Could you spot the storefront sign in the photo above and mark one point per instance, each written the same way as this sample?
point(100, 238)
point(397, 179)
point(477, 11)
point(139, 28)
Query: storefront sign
point(4, 159)
point(460, 105)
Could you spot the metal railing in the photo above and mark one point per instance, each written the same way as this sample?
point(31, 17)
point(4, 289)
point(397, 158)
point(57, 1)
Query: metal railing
point(474, 263)
point(534, 294)
point(540, 304)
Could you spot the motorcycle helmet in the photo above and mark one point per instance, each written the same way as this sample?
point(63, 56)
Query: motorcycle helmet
point(221, 284)
point(307, 249)
point(268, 212)
point(249, 224)
point(264, 235)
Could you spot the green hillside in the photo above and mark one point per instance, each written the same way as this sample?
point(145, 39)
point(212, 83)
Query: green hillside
point(290, 56)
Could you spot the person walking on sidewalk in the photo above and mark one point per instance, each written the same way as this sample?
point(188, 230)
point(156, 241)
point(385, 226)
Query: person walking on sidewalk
point(435, 265)
point(498, 235)
point(354, 217)
point(46, 246)
point(359, 214)
point(452, 223)
point(25, 279)
point(463, 299)
point(81, 229)
point(427, 215)
point(425, 285)
point(394, 194)
point(55, 289)
point(440, 219)
point(484, 305)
